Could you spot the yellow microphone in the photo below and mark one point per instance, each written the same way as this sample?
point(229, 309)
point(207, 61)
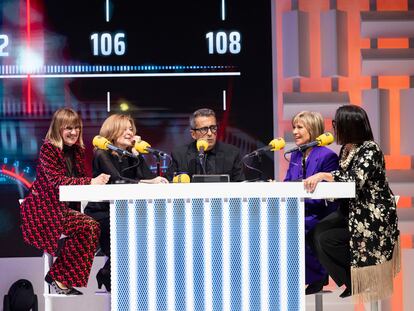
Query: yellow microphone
point(144, 147)
point(101, 142)
point(202, 145)
point(325, 139)
point(274, 145)
point(322, 140)
point(181, 178)
point(141, 146)
point(277, 144)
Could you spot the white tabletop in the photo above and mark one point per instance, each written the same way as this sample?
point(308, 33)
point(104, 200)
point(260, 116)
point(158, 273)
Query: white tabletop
point(204, 190)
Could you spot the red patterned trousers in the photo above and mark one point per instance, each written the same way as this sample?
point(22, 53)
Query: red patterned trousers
point(74, 262)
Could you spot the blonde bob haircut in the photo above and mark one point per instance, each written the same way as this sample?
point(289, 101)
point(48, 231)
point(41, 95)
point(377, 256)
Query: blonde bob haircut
point(115, 125)
point(62, 118)
point(312, 121)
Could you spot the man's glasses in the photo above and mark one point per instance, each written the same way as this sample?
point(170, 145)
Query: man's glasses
point(204, 130)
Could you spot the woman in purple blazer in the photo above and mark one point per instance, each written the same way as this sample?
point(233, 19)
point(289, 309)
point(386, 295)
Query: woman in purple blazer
point(306, 127)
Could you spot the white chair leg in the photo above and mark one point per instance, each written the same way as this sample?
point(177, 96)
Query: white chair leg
point(82, 206)
point(48, 303)
point(318, 302)
point(374, 305)
point(47, 263)
point(108, 303)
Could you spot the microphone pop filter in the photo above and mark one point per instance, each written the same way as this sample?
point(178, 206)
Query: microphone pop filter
point(325, 139)
point(181, 178)
point(141, 146)
point(201, 143)
point(277, 144)
point(100, 142)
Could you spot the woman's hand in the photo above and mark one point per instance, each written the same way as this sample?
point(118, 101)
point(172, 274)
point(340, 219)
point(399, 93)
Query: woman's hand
point(101, 179)
point(135, 139)
point(156, 180)
point(311, 182)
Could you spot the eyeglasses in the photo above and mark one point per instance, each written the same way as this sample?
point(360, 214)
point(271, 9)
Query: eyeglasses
point(71, 128)
point(204, 130)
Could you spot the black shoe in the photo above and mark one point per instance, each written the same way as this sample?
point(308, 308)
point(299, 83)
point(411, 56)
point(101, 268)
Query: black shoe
point(346, 293)
point(104, 277)
point(59, 290)
point(317, 286)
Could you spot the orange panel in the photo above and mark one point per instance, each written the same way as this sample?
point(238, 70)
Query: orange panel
point(397, 297)
point(394, 120)
point(393, 82)
point(392, 5)
point(315, 83)
point(406, 241)
point(393, 43)
point(405, 202)
point(354, 86)
point(314, 8)
point(397, 162)
point(287, 85)
point(354, 83)
point(280, 7)
point(283, 6)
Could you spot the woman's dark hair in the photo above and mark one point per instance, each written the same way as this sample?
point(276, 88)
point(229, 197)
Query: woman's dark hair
point(352, 125)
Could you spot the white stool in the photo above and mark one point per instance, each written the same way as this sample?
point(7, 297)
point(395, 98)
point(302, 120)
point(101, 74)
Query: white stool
point(374, 305)
point(47, 294)
point(319, 299)
point(107, 296)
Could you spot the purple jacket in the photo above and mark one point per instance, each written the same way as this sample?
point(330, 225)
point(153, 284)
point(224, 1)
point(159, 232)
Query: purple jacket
point(320, 159)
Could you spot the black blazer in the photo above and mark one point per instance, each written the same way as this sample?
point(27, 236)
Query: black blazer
point(123, 169)
point(222, 159)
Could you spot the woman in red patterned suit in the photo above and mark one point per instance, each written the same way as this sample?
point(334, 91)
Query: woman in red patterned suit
point(45, 219)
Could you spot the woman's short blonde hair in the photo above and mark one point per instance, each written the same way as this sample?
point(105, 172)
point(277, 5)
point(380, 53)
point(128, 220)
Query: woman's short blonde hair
point(115, 125)
point(62, 118)
point(312, 121)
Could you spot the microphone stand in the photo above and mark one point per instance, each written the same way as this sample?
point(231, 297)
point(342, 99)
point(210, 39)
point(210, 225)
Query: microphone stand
point(303, 163)
point(158, 163)
point(201, 159)
point(259, 163)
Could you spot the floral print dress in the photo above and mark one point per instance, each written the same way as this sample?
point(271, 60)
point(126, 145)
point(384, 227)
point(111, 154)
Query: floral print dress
point(372, 222)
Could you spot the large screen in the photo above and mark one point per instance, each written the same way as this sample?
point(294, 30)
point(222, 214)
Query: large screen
point(155, 60)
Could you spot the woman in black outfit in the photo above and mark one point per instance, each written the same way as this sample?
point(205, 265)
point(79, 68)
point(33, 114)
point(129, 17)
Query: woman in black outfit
point(120, 130)
point(359, 243)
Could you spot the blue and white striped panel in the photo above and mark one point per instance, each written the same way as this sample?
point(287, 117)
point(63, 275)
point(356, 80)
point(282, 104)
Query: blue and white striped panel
point(294, 233)
point(216, 254)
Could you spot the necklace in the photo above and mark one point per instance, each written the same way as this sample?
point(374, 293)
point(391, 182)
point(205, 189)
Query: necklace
point(347, 155)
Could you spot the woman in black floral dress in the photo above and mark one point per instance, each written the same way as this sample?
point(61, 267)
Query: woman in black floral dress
point(359, 243)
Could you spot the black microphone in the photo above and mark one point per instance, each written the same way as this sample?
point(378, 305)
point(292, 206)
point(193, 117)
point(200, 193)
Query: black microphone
point(322, 140)
point(104, 144)
point(144, 148)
